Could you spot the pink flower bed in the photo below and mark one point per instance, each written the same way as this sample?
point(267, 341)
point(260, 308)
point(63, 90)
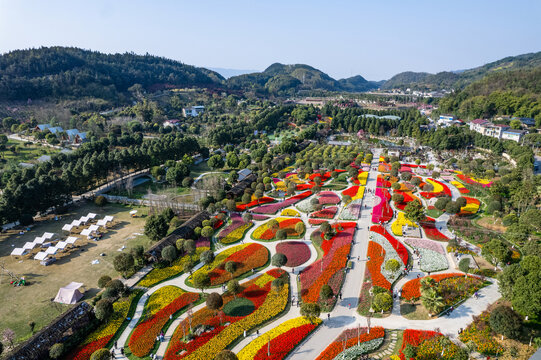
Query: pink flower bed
point(259, 217)
point(328, 197)
point(316, 221)
point(397, 245)
point(327, 213)
point(273, 208)
point(236, 222)
point(297, 252)
point(382, 212)
point(405, 168)
point(425, 244)
point(202, 242)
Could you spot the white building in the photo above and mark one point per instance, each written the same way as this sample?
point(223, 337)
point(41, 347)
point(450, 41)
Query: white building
point(512, 134)
point(193, 111)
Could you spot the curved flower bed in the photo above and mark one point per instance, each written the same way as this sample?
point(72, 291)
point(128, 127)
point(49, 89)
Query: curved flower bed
point(263, 232)
point(246, 256)
point(327, 213)
point(259, 217)
point(415, 338)
point(432, 254)
point(431, 232)
point(361, 178)
point(234, 231)
point(268, 304)
point(328, 198)
point(316, 221)
point(355, 351)
point(384, 167)
point(474, 181)
point(382, 212)
point(472, 206)
point(440, 189)
point(352, 211)
point(461, 188)
point(263, 200)
point(283, 339)
point(160, 307)
point(401, 221)
point(353, 337)
point(397, 246)
point(100, 337)
point(297, 252)
point(413, 287)
point(377, 258)
point(408, 197)
point(290, 213)
point(356, 192)
point(381, 182)
point(480, 333)
point(274, 208)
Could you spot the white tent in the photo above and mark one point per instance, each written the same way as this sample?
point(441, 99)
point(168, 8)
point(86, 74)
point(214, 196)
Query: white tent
point(51, 250)
point(61, 244)
point(83, 219)
point(76, 223)
point(133, 212)
point(108, 218)
point(71, 240)
point(86, 232)
point(42, 255)
point(67, 227)
point(102, 222)
point(91, 215)
point(93, 228)
point(29, 245)
point(69, 294)
point(47, 235)
point(39, 240)
point(18, 252)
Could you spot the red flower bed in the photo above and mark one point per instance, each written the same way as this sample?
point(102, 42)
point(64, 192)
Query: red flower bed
point(282, 345)
point(84, 352)
point(287, 224)
point(463, 190)
point(446, 191)
point(415, 338)
point(429, 227)
point(324, 177)
point(355, 179)
point(337, 346)
point(328, 197)
point(143, 337)
point(316, 221)
point(297, 252)
point(251, 257)
point(472, 182)
point(352, 191)
point(377, 256)
point(413, 287)
point(273, 208)
point(263, 200)
point(301, 187)
point(400, 249)
point(327, 213)
point(408, 196)
point(381, 182)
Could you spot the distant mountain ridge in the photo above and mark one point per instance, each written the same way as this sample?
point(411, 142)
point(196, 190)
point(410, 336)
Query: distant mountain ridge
point(227, 73)
point(462, 78)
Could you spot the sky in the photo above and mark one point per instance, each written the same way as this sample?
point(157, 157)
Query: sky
point(376, 39)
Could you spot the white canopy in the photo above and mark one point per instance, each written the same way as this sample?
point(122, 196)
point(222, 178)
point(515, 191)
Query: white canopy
point(102, 222)
point(133, 212)
point(42, 255)
point(71, 240)
point(61, 244)
point(39, 240)
point(84, 219)
point(91, 215)
point(108, 218)
point(29, 245)
point(18, 251)
point(76, 223)
point(47, 235)
point(51, 250)
point(93, 227)
point(67, 227)
point(86, 232)
point(69, 294)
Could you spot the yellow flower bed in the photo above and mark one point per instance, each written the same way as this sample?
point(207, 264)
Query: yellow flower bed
point(480, 181)
point(121, 309)
point(161, 298)
point(273, 305)
point(263, 280)
point(157, 275)
point(457, 184)
point(437, 187)
point(220, 258)
point(382, 159)
point(295, 178)
point(362, 178)
point(264, 227)
point(290, 212)
point(470, 208)
point(400, 221)
point(236, 234)
point(280, 185)
point(360, 193)
point(250, 350)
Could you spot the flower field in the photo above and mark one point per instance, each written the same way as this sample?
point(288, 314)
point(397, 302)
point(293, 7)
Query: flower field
point(327, 213)
point(408, 197)
point(275, 207)
point(381, 182)
point(480, 333)
point(361, 178)
point(235, 231)
point(352, 211)
point(297, 252)
point(263, 200)
point(377, 259)
point(163, 303)
point(246, 256)
point(382, 212)
point(474, 181)
point(352, 338)
point(328, 198)
point(413, 287)
point(431, 232)
point(177, 268)
point(283, 339)
point(415, 338)
point(472, 206)
point(397, 245)
point(440, 189)
point(460, 187)
point(263, 232)
point(401, 221)
point(268, 304)
point(290, 213)
point(356, 192)
point(432, 254)
point(312, 221)
point(389, 253)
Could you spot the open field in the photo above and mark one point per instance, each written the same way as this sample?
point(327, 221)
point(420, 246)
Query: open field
point(25, 153)
point(20, 305)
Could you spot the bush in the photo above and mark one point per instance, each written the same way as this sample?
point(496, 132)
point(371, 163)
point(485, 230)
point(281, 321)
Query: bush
point(395, 186)
point(382, 301)
point(103, 281)
point(461, 201)
point(117, 285)
point(214, 301)
point(442, 202)
point(452, 207)
point(464, 265)
point(103, 309)
point(406, 176)
point(26, 219)
point(398, 198)
point(310, 310)
point(326, 292)
point(493, 206)
point(506, 321)
point(226, 355)
point(100, 200)
point(56, 351)
point(392, 265)
point(169, 253)
point(123, 262)
point(110, 293)
point(278, 260)
point(509, 220)
point(101, 354)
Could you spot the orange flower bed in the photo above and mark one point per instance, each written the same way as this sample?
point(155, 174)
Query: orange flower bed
point(415, 338)
point(287, 224)
point(413, 287)
point(251, 257)
point(337, 346)
point(377, 256)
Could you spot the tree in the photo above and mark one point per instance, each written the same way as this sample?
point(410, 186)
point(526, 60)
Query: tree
point(214, 301)
point(169, 253)
point(382, 301)
point(189, 246)
point(326, 293)
point(281, 234)
point(515, 124)
point(442, 202)
point(103, 281)
point(273, 225)
point(56, 351)
point(188, 266)
point(156, 227)
point(207, 257)
point(398, 198)
point(452, 207)
point(226, 355)
point(100, 200)
point(431, 300)
point(496, 251)
point(247, 217)
point(461, 201)
point(103, 309)
point(233, 287)
point(278, 260)
point(392, 265)
point(464, 265)
point(277, 284)
point(299, 228)
point(521, 284)
point(346, 199)
point(415, 212)
point(505, 321)
point(231, 267)
point(310, 311)
point(123, 263)
point(116, 285)
point(406, 176)
point(168, 214)
point(201, 280)
point(216, 162)
point(325, 227)
point(101, 354)
point(207, 231)
point(396, 186)
point(246, 198)
point(138, 253)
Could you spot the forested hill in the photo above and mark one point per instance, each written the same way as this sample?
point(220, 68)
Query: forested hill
point(65, 72)
point(458, 80)
point(279, 79)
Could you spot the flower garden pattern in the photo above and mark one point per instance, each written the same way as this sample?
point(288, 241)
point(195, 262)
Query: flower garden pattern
point(382, 212)
point(461, 188)
point(327, 213)
point(474, 181)
point(263, 232)
point(352, 337)
point(275, 207)
point(235, 231)
point(296, 252)
point(440, 189)
point(415, 338)
point(433, 256)
point(401, 221)
point(472, 206)
point(431, 232)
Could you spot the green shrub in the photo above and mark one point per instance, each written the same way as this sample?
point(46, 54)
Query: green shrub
point(100, 200)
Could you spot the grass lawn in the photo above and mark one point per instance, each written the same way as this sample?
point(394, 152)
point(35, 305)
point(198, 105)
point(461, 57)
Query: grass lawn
point(491, 223)
point(33, 302)
point(26, 153)
point(140, 191)
point(434, 213)
point(414, 312)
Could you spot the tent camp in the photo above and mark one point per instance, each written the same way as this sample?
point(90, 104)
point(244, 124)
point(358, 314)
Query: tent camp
point(18, 252)
point(67, 227)
point(42, 255)
point(101, 222)
point(91, 215)
point(76, 223)
point(47, 235)
point(61, 244)
point(29, 245)
point(69, 294)
point(86, 232)
point(93, 228)
point(71, 240)
point(39, 240)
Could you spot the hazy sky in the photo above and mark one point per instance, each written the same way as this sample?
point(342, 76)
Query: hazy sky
point(376, 39)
